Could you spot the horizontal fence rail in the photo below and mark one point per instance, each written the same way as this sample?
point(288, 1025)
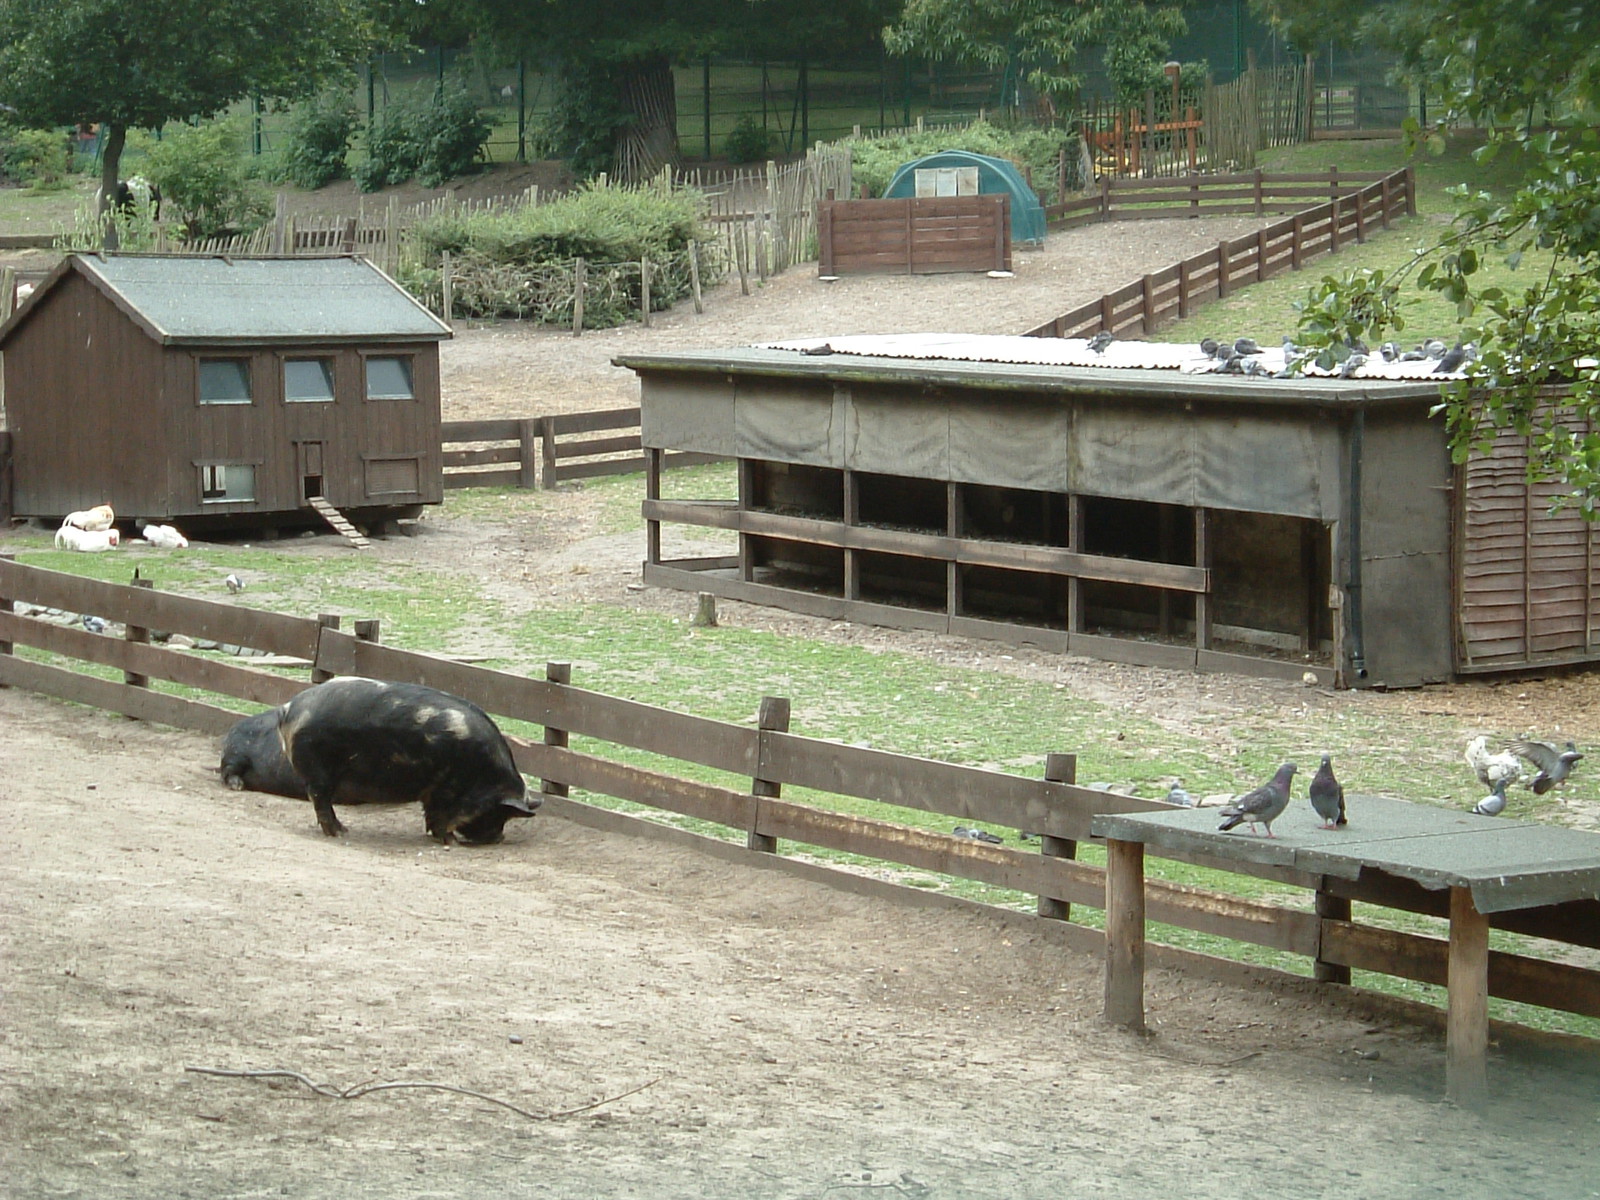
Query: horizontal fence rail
point(534, 452)
point(1358, 204)
point(758, 763)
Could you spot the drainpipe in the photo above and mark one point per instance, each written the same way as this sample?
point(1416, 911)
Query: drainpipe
point(1358, 653)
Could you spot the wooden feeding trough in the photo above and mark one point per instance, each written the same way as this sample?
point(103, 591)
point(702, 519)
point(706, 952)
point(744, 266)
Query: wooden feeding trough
point(215, 391)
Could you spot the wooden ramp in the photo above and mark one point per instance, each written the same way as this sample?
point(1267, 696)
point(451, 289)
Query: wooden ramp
point(335, 518)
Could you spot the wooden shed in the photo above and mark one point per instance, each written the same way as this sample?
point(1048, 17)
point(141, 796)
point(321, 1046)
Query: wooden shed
point(215, 391)
point(1273, 526)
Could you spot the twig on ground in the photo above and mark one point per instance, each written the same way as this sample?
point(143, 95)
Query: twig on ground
point(355, 1091)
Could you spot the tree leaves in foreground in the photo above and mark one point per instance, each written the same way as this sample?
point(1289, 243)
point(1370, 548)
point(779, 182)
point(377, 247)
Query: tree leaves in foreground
point(1527, 72)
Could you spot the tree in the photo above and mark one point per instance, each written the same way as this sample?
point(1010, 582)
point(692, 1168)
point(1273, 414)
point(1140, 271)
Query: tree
point(1043, 38)
point(1528, 73)
point(138, 64)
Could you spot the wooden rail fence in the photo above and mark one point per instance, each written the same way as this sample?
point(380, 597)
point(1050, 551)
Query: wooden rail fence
point(914, 235)
point(534, 452)
point(1358, 204)
point(757, 762)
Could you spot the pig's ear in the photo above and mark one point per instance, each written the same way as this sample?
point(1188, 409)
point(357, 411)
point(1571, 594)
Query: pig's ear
point(522, 806)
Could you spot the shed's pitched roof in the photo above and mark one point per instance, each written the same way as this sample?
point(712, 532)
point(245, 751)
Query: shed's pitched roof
point(186, 299)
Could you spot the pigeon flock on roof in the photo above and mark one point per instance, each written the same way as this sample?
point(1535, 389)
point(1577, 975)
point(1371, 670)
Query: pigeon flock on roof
point(1242, 356)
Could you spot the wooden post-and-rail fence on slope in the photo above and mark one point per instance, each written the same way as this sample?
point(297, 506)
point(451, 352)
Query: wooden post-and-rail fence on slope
point(1359, 204)
point(759, 762)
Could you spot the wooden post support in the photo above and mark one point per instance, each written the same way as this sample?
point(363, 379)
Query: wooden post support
point(327, 621)
point(1202, 600)
point(694, 277)
point(369, 629)
point(653, 456)
point(140, 635)
point(705, 611)
point(1058, 768)
point(556, 672)
point(1124, 1000)
point(1147, 304)
point(280, 224)
point(7, 604)
point(1183, 289)
point(1261, 255)
point(527, 456)
point(1467, 1020)
point(1383, 201)
point(1223, 266)
point(1330, 908)
point(774, 716)
point(644, 292)
point(1297, 241)
point(579, 281)
point(1360, 198)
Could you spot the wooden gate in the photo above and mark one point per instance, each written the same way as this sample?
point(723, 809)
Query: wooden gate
point(1526, 587)
point(914, 236)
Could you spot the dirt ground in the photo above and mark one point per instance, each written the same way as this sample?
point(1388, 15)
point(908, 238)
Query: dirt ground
point(737, 1030)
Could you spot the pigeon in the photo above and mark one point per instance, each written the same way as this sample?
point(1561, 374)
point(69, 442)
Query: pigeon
point(1390, 351)
point(1352, 364)
point(1264, 805)
point(1209, 347)
point(93, 624)
point(1494, 803)
point(1246, 345)
point(1327, 796)
point(1176, 795)
point(1554, 764)
point(1254, 366)
point(234, 584)
point(1496, 771)
point(1450, 362)
point(1100, 341)
point(824, 348)
point(1414, 356)
point(1434, 348)
point(1357, 346)
point(978, 835)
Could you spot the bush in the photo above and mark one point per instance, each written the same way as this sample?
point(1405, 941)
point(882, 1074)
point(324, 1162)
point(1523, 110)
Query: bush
point(40, 157)
point(748, 142)
point(434, 142)
point(205, 180)
point(318, 139)
point(874, 161)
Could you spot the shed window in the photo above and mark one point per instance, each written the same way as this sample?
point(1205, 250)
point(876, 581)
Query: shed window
point(223, 483)
point(224, 381)
point(307, 379)
point(389, 378)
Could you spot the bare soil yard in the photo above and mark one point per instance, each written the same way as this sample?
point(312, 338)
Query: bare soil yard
point(724, 1028)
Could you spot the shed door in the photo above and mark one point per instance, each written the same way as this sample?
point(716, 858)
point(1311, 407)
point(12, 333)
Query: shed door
point(310, 470)
point(1527, 589)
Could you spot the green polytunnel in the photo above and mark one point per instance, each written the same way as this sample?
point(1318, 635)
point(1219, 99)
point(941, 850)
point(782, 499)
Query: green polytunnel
point(963, 173)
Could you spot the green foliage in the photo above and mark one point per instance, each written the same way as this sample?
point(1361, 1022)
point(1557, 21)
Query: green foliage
point(1043, 39)
point(205, 181)
point(318, 139)
point(748, 142)
point(434, 140)
point(585, 120)
point(875, 160)
point(39, 157)
point(518, 263)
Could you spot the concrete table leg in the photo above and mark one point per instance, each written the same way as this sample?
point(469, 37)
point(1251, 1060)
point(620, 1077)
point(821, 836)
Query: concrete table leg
point(1124, 1003)
point(1467, 1023)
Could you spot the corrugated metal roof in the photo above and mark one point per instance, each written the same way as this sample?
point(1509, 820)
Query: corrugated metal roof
point(1075, 352)
point(193, 299)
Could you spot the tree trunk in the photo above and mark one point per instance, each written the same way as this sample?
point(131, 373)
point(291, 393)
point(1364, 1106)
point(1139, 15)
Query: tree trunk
point(650, 142)
point(116, 136)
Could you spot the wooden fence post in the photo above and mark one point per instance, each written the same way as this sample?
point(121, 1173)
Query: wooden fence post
point(578, 282)
point(1222, 270)
point(1360, 197)
point(7, 604)
point(556, 672)
point(1411, 190)
point(547, 452)
point(369, 629)
point(773, 715)
point(139, 635)
point(527, 439)
point(1058, 768)
point(1383, 201)
point(1124, 996)
point(1261, 255)
point(694, 277)
point(1333, 227)
point(447, 286)
point(1329, 908)
point(280, 223)
point(1260, 200)
point(327, 621)
point(1297, 241)
point(1183, 288)
point(644, 292)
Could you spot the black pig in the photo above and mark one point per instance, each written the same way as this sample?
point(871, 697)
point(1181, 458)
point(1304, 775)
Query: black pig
point(253, 758)
point(360, 741)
